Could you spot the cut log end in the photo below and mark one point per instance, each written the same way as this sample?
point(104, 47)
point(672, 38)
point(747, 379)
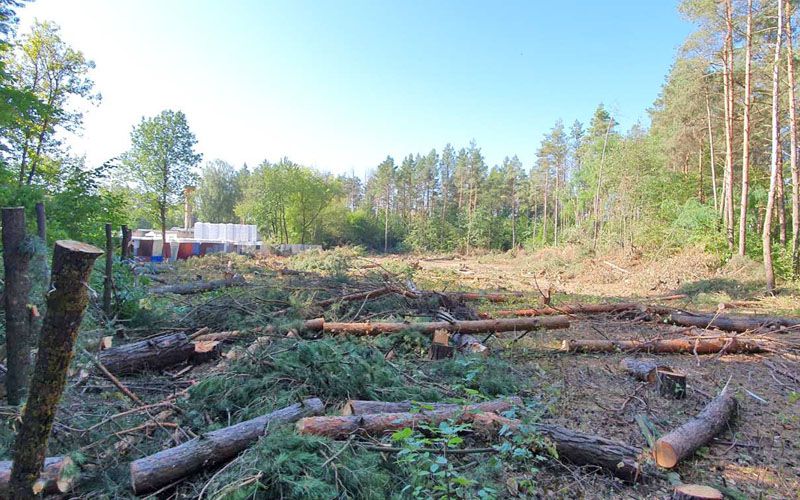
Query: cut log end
point(696, 492)
point(79, 247)
point(665, 455)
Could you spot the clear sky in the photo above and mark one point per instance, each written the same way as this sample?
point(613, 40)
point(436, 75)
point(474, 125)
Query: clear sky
point(341, 84)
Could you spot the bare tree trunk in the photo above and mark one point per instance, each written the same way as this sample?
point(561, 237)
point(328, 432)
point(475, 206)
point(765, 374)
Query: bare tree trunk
point(16, 258)
point(729, 91)
point(780, 198)
point(386, 224)
point(107, 283)
point(701, 197)
point(126, 242)
point(766, 235)
point(599, 183)
point(793, 144)
point(746, 134)
point(66, 303)
point(711, 154)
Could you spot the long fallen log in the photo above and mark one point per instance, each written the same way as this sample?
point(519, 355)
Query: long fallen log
point(57, 476)
point(375, 424)
point(731, 323)
point(213, 448)
point(199, 286)
point(580, 448)
point(491, 297)
point(566, 309)
point(156, 353)
point(362, 407)
point(479, 326)
point(720, 345)
point(686, 439)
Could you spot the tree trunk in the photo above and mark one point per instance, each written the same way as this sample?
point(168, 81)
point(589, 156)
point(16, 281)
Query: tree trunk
point(66, 303)
point(19, 338)
point(126, 243)
point(213, 448)
point(156, 353)
point(479, 326)
point(729, 93)
point(108, 282)
point(360, 407)
point(722, 345)
point(41, 228)
point(568, 309)
point(712, 158)
point(57, 476)
point(766, 235)
point(780, 199)
point(41, 222)
point(377, 424)
point(746, 134)
point(795, 168)
point(686, 439)
point(199, 287)
point(731, 323)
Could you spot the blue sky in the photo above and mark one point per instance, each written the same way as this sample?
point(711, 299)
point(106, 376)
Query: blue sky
point(340, 84)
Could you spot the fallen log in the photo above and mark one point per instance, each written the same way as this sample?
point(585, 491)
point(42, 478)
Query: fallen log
point(156, 353)
point(211, 449)
point(580, 448)
point(376, 424)
point(686, 439)
point(731, 323)
point(371, 294)
point(361, 407)
point(641, 369)
point(218, 336)
point(720, 345)
point(479, 326)
point(566, 309)
point(696, 492)
point(491, 297)
point(199, 286)
point(57, 477)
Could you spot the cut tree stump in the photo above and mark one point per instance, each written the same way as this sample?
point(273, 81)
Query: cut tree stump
point(361, 407)
point(642, 369)
point(671, 384)
point(377, 424)
point(66, 303)
point(686, 439)
point(19, 337)
point(157, 352)
point(721, 345)
point(57, 476)
point(440, 346)
point(479, 326)
point(213, 448)
point(199, 287)
point(696, 492)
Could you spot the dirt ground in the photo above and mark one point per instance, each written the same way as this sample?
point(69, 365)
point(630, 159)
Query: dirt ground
point(757, 457)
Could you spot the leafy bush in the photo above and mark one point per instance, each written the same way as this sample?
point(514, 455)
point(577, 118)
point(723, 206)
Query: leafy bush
point(335, 262)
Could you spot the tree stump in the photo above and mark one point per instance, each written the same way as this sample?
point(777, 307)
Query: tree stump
point(440, 346)
point(19, 338)
point(66, 303)
point(696, 492)
point(58, 475)
point(642, 369)
point(670, 384)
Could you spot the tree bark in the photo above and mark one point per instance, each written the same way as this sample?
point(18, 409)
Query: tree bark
point(126, 243)
point(731, 323)
point(41, 229)
point(766, 235)
point(361, 407)
point(729, 345)
point(746, 133)
point(199, 287)
point(686, 439)
point(19, 338)
point(795, 168)
point(156, 353)
point(213, 448)
point(711, 154)
point(568, 309)
point(641, 369)
point(729, 93)
point(66, 303)
point(479, 326)
point(377, 424)
point(108, 282)
point(57, 476)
